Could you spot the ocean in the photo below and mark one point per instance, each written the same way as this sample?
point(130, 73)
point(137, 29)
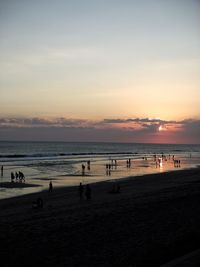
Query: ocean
point(61, 162)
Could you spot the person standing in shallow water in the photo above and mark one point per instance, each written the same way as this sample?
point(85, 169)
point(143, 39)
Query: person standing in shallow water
point(88, 165)
point(83, 169)
point(50, 186)
point(2, 170)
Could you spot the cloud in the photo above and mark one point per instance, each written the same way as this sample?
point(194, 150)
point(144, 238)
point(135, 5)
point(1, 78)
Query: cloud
point(111, 130)
point(41, 122)
point(191, 127)
point(145, 124)
point(145, 120)
point(129, 124)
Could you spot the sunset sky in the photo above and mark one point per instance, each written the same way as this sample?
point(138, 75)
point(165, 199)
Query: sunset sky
point(91, 70)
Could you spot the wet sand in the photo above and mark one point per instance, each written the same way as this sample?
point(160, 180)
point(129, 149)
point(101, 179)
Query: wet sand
point(154, 219)
point(17, 185)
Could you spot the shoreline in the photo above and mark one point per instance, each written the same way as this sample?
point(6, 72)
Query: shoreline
point(68, 171)
point(154, 219)
point(14, 185)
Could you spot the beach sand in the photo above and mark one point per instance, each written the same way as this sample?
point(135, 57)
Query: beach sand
point(154, 219)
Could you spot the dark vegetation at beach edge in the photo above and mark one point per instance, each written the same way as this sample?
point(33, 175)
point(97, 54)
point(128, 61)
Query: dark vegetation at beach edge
point(154, 218)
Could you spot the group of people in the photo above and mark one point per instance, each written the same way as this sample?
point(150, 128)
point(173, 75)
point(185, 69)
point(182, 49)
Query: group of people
point(159, 161)
point(18, 176)
point(110, 166)
point(177, 163)
point(87, 190)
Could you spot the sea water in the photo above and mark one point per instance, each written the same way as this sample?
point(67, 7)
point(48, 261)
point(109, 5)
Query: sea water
point(61, 162)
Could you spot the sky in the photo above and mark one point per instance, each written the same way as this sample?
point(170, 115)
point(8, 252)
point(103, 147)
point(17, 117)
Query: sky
point(109, 70)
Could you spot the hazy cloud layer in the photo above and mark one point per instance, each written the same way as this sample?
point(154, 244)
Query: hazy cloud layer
point(40, 122)
point(145, 120)
point(65, 122)
point(116, 130)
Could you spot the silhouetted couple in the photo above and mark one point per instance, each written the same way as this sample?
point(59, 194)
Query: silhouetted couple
point(87, 191)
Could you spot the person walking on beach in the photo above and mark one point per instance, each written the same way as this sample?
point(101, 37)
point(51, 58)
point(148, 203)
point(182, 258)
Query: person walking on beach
point(88, 192)
point(81, 190)
point(50, 186)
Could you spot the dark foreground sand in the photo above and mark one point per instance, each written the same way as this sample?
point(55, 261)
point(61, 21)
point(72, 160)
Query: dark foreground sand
point(154, 219)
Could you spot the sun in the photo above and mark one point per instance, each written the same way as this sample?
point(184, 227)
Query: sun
point(160, 128)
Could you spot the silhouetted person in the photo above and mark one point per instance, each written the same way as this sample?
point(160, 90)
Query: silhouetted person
point(156, 164)
point(88, 192)
point(81, 190)
point(2, 170)
point(127, 163)
point(12, 177)
point(83, 169)
point(108, 172)
point(22, 177)
point(88, 165)
point(16, 175)
point(50, 186)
